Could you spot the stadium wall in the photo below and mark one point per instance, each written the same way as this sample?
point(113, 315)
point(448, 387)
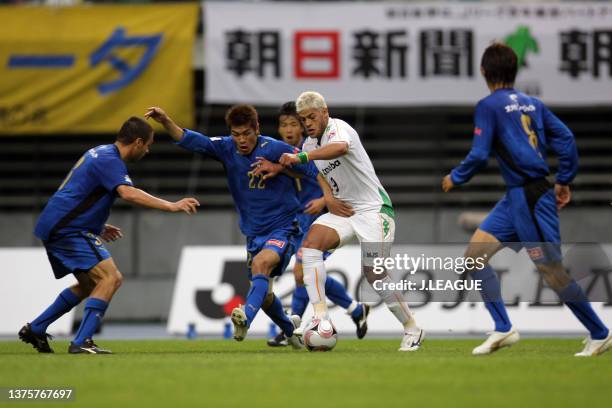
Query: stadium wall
point(149, 254)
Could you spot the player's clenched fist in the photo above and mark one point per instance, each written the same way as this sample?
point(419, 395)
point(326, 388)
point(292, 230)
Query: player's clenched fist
point(288, 159)
point(188, 205)
point(447, 183)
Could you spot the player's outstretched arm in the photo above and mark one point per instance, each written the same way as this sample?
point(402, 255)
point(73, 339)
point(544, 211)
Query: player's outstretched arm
point(139, 197)
point(328, 152)
point(160, 116)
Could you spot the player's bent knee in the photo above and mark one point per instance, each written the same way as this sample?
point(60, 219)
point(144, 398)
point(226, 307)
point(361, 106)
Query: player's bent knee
point(261, 267)
point(115, 279)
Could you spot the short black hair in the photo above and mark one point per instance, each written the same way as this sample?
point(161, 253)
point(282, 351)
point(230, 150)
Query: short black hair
point(240, 115)
point(134, 128)
point(499, 63)
point(288, 109)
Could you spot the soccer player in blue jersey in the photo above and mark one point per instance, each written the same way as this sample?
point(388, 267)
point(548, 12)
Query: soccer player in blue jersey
point(74, 220)
point(519, 129)
point(267, 207)
point(312, 205)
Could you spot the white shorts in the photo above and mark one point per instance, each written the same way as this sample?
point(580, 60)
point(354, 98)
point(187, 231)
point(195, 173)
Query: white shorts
point(375, 231)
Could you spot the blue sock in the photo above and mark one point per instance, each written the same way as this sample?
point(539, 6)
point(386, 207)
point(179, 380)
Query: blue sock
point(299, 301)
point(575, 299)
point(337, 293)
point(92, 317)
point(492, 297)
point(256, 296)
point(277, 314)
point(62, 305)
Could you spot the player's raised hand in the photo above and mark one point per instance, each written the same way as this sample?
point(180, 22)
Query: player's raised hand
point(447, 183)
point(265, 168)
point(288, 159)
point(339, 207)
point(188, 205)
point(315, 206)
point(111, 233)
point(157, 114)
point(563, 194)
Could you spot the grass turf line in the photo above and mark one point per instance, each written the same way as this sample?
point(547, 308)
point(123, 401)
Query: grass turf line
point(367, 373)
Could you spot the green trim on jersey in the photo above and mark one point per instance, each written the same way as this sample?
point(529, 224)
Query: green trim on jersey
point(387, 207)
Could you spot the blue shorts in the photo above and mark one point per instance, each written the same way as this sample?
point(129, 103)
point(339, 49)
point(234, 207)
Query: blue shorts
point(306, 221)
point(283, 241)
point(527, 217)
point(76, 252)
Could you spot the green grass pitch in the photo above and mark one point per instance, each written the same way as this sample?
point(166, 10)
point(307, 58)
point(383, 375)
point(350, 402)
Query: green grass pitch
point(367, 373)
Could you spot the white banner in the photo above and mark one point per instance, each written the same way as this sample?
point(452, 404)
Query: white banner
point(212, 280)
point(266, 53)
point(27, 288)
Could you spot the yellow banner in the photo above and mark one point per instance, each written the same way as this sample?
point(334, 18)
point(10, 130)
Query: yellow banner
point(88, 68)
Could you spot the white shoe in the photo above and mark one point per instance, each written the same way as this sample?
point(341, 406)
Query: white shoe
point(295, 340)
point(495, 341)
point(412, 340)
point(595, 347)
point(239, 319)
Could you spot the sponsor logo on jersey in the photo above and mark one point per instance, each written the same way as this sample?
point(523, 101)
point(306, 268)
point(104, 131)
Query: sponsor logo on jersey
point(93, 153)
point(264, 143)
point(520, 108)
point(276, 243)
point(477, 131)
point(535, 253)
point(128, 179)
point(330, 167)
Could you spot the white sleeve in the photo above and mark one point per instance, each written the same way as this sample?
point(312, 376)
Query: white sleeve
point(340, 134)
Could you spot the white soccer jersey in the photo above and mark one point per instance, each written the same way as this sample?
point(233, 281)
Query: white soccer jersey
point(351, 176)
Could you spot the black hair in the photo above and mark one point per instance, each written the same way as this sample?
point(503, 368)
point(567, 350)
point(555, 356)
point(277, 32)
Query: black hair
point(288, 109)
point(134, 128)
point(499, 63)
point(240, 115)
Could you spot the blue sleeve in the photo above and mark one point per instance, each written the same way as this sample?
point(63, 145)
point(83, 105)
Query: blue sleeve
point(279, 148)
point(562, 142)
point(484, 131)
point(198, 143)
point(112, 173)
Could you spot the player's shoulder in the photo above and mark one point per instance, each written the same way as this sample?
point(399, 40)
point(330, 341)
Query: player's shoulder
point(342, 126)
point(310, 143)
point(270, 143)
point(103, 154)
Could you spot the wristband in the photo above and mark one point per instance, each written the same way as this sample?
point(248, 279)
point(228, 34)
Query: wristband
point(303, 156)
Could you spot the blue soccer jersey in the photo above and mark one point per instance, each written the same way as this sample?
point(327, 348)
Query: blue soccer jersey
point(83, 201)
point(263, 205)
point(518, 129)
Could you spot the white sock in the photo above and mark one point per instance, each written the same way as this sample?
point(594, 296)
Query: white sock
point(352, 307)
point(314, 278)
point(397, 305)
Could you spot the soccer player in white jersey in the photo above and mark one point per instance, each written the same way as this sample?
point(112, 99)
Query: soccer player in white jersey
point(358, 206)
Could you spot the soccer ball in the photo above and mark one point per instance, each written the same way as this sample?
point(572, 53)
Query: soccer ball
point(320, 335)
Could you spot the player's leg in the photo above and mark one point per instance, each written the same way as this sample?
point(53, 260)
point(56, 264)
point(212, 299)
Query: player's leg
point(484, 245)
point(496, 230)
point(260, 267)
point(538, 226)
point(35, 333)
point(107, 279)
point(376, 233)
point(334, 291)
point(299, 300)
point(328, 231)
point(273, 307)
